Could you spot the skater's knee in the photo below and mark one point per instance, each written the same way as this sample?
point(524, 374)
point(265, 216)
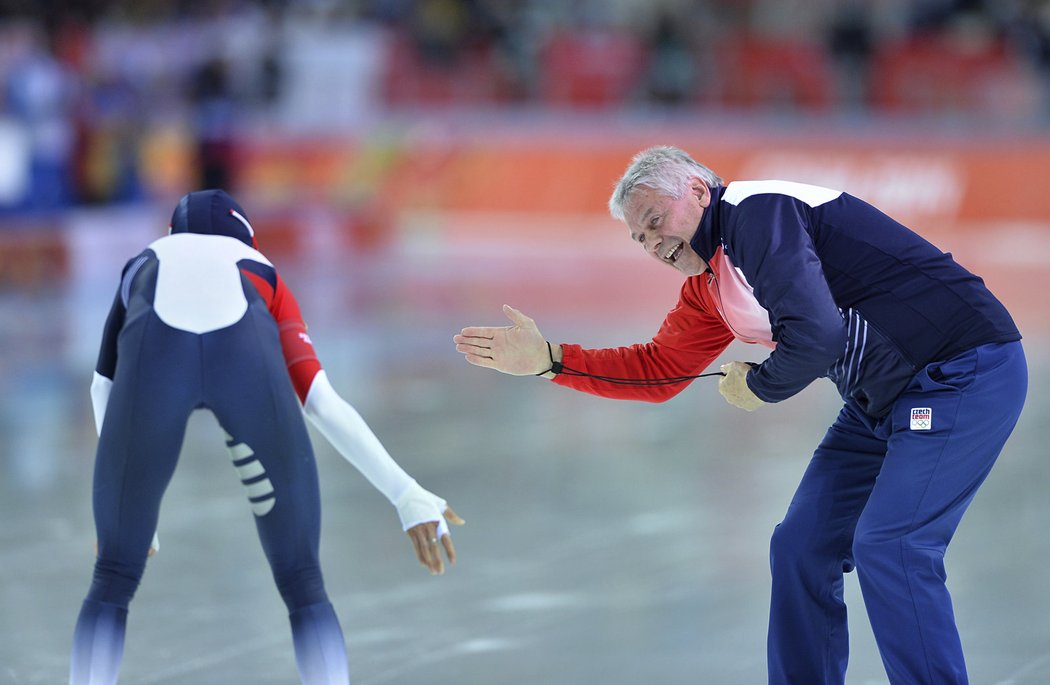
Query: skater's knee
point(115, 582)
point(301, 587)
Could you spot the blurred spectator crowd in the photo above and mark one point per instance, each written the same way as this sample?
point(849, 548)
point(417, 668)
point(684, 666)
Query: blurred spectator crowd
point(106, 102)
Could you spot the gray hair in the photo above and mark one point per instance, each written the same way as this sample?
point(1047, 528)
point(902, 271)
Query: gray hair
point(663, 168)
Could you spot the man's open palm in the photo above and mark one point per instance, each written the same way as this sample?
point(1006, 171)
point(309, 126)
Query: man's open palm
point(519, 349)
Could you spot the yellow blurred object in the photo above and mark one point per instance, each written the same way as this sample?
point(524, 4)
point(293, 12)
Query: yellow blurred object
point(167, 160)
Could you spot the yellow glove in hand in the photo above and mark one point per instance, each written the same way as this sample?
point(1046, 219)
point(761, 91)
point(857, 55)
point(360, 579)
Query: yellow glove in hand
point(733, 386)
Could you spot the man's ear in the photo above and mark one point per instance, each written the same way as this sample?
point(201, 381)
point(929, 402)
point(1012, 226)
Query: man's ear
point(700, 190)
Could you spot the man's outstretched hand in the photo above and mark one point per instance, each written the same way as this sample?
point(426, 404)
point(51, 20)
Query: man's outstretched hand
point(519, 349)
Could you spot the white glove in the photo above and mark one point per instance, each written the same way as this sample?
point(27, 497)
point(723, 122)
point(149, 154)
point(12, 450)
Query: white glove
point(416, 506)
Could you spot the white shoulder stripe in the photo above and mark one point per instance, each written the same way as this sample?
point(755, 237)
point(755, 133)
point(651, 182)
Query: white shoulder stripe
point(813, 196)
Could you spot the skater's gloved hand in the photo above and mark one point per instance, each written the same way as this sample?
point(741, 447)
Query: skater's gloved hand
point(425, 517)
point(733, 386)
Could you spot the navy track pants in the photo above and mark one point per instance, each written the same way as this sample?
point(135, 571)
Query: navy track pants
point(886, 497)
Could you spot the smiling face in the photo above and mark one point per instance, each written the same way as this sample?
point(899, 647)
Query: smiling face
point(664, 226)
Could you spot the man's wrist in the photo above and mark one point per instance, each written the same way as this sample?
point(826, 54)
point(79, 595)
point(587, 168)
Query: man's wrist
point(555, 361)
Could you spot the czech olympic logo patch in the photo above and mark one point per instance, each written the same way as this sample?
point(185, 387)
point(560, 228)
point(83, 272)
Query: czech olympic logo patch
point(921, 419)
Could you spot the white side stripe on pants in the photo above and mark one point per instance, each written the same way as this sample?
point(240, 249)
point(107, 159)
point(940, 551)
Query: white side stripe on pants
point(260, 490)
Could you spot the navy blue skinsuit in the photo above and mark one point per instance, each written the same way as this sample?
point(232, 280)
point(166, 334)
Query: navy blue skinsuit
point(161, 373)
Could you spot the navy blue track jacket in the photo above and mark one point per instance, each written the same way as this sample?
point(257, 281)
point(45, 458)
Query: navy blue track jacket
point(834, 286)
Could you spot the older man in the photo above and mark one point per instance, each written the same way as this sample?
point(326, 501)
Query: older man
point(928, 362)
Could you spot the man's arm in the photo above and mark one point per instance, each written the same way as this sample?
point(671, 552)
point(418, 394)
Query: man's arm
point(777, 256)
point(690, 338)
